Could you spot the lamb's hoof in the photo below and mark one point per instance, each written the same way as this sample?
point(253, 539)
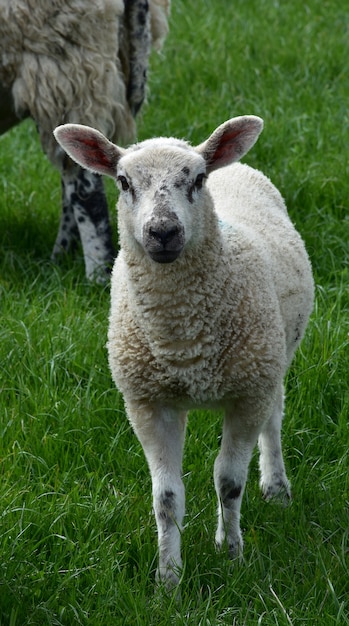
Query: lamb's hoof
point(235, 551)
point(235, 547)
point(279, 490)
point(167, 577)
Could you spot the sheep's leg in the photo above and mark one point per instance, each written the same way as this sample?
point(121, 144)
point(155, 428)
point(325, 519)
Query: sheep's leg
point(68, 232)
point(161, 434)
point(8, 117)
point(273, 480)
point(230, 475)
point(92, 217)
point(85, 215)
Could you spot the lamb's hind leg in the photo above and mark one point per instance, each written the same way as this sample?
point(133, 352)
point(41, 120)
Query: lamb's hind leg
point(273, 480)
point(230, 474)
point(161, 433)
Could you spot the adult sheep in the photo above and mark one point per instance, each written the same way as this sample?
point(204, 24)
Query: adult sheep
point(211, 294)
point(78, 61)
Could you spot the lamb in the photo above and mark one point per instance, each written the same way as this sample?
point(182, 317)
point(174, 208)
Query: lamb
point(78, 61)
point(210, 297)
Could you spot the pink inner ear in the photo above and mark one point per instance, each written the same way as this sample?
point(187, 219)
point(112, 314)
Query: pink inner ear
point(91, 152)
point(95, 155)
point(228, 149)
point(224, 151)
point(231, 145)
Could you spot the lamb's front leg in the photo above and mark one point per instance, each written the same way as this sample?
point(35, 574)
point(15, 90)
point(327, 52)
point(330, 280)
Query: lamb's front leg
point(161, 432)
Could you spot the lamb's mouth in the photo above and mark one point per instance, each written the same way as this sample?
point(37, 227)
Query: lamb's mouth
point(164, 256)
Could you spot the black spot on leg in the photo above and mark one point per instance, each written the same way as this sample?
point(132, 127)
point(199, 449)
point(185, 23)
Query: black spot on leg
point(167, 499)
point(297, 330)
point(234, 549)
point(136, 23)
point(278, 489)
point(228, 490)
point(167, 505)
point(88, 205)
point(234, 493)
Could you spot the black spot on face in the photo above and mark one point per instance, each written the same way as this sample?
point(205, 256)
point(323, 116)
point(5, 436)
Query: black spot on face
point(182, 179)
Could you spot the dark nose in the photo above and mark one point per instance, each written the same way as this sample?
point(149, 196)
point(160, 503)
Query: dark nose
point(164, 235)
point(164, 240)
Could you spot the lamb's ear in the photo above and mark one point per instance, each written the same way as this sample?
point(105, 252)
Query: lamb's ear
point(230, 141)
point(89, 148)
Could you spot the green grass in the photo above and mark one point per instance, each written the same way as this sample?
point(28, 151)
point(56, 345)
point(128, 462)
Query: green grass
point(77, 536)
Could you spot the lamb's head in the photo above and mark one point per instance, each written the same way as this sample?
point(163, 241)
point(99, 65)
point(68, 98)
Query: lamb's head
point(163, 201)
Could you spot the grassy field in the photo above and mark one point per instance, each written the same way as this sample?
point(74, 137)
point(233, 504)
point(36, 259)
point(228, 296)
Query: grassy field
point(77, 536)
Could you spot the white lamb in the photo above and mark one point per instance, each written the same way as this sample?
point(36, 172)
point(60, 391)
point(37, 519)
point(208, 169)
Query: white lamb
point(211, 294)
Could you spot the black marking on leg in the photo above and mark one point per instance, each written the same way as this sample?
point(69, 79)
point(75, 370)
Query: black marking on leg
point(68, 234)
point(234, 549)
point(137, 25)
point(277, 489)
point(91, 201)
point(298, 331)
point(228, 490)
point(166, 506)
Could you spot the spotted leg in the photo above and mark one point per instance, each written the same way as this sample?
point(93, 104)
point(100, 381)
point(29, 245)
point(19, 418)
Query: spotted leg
point(85, 217)
point(68, 233)
point(161, 433)
point(273, 480)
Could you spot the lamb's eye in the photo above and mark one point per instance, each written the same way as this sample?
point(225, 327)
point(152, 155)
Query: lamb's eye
point(199, 181)
point(123, 182)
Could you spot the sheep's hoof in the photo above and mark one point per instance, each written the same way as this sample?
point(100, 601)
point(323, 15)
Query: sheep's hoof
point(235, 547)
point(278, 491)
point(100, 275)
point(167, 577)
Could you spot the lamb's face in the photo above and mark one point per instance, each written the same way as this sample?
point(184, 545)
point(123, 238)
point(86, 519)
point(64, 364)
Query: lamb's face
point(161, 186)
point(164, 206)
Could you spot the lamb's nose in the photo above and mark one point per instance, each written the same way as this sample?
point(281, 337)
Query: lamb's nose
point(164, 235)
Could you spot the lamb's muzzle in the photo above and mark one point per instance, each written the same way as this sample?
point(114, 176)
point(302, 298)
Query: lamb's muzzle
point(164, 239)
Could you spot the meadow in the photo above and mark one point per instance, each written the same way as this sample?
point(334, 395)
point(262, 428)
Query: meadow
point(77, 535)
